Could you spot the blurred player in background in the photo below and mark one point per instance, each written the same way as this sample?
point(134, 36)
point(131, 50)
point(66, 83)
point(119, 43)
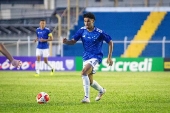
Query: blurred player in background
point(14, 62)
point(92, 39)
point(43, 36)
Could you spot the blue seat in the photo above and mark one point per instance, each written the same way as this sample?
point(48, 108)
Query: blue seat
point(155, 50)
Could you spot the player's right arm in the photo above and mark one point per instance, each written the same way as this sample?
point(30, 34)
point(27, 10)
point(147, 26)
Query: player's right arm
point(75, 37)
point(69, 42)
point(35, 40)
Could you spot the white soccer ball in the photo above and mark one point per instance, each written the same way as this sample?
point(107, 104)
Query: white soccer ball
point(42, 97)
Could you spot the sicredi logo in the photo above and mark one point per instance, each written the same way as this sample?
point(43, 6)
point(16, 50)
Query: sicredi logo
point(141, 66)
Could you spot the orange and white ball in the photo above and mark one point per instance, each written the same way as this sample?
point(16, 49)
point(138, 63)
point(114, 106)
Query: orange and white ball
point(42, 97)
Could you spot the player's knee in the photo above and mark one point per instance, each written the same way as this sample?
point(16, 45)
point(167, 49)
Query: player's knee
point(38, 58)
point(45, 61)
point(89, 71)
point(86, 71)
point(83, 72)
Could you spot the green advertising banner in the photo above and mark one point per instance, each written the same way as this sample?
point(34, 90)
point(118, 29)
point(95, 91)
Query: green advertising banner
point(79, 63)
point(128, 64)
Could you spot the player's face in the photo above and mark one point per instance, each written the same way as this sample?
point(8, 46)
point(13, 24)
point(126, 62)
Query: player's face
point(89, 23)
point(42, 24)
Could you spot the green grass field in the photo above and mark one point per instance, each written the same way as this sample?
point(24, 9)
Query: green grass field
point(127, 92)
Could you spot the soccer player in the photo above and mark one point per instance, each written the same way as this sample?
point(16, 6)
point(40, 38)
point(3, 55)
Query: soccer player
point(43, 36)
point(92, 39)
point(14, 62)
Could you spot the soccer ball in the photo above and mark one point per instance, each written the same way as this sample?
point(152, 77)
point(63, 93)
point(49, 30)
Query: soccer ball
point(42, 97)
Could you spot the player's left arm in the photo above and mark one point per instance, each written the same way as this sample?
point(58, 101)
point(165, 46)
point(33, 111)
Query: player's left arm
point(50, 38)
point(109, 58)
point(108, 39)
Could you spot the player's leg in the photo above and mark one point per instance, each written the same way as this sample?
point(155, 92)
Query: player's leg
point(4, 51)
point(86, 82)
point(94, 84)
point(38, 58)
point(45, 55)
point(38, 65)
point(46, 61)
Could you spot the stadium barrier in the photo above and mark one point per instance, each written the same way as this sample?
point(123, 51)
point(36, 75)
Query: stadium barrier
point(29, 64)
point(75, 64)
point(128, 64)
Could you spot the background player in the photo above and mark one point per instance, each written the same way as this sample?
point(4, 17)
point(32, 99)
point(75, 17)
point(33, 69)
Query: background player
point(43, 36)
point(92, 39)
point(14, 62)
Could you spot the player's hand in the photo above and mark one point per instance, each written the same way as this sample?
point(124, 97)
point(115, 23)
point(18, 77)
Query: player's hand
point(42, 40)
point(110, 61)
point(64, 40)
point(35, 40)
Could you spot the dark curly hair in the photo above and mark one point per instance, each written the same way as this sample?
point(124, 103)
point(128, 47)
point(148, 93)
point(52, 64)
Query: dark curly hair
point(89, 15)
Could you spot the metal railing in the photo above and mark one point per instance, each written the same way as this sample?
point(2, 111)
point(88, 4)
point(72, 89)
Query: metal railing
point(163, 42)
point(30, 46)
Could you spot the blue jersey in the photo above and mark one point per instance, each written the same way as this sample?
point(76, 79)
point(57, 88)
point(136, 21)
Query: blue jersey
point(92, 42)
point(43, 33)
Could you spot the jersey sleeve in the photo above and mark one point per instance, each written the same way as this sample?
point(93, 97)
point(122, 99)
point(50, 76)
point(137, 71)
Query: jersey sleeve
point(106, 37)
point(49, 33)
point(37, 33)
point(77, 35)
